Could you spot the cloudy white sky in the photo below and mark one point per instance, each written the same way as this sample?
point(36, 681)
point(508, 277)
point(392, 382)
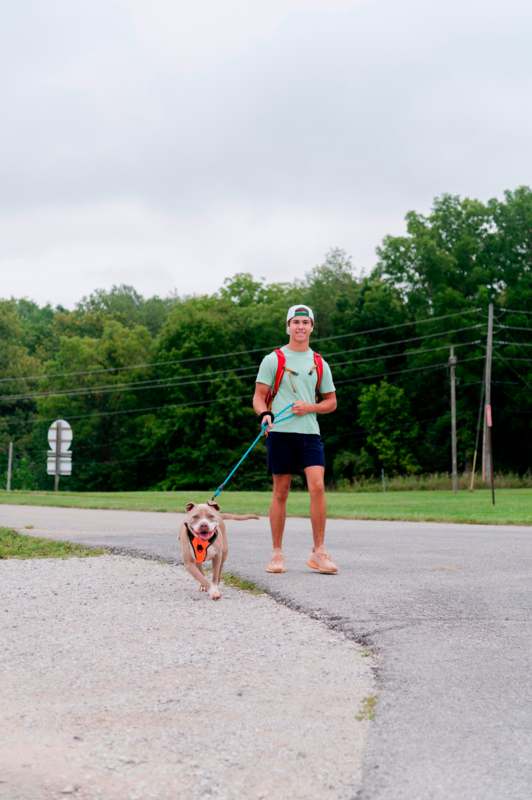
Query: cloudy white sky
point(169, 144)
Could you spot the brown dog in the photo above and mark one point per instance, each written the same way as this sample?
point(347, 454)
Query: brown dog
point(203, 537)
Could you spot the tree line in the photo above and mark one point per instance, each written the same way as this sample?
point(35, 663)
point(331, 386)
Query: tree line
point(158, 390)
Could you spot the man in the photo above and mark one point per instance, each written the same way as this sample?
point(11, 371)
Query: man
point(295, 445)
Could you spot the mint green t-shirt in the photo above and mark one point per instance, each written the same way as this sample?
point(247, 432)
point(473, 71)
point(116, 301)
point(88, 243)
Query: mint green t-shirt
point(297, 384)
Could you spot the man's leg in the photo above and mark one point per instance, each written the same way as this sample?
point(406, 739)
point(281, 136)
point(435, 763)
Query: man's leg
point(319, 560)
point(281, 488)
point(318, 503)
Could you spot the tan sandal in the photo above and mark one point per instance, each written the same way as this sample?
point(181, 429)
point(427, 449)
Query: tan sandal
point(321, 562)
point(276, 564)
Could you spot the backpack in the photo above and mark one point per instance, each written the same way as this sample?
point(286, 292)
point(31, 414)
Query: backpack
point(281, 366)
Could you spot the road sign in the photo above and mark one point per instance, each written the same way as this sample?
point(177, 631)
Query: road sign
point(65, 438)
point(59, 460)
point(64, 463)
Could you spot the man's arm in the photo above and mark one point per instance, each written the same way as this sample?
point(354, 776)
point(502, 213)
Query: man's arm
point(259, 401)
point(326, 405)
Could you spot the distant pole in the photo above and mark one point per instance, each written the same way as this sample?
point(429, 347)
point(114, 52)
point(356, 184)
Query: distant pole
point(383, 479)
point(57, 456)
point(487, 450)
point(9, 466)
point(452, 365)
point(477, 437)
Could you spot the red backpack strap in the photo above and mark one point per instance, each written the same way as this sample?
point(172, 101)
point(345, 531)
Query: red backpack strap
point(281, 363)
point(318, 361)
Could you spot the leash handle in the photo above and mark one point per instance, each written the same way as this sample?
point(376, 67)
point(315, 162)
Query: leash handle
point(282, 411)
point(279, 416)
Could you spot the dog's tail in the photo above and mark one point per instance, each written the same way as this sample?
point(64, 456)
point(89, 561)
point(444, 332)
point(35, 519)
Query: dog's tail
point(240, 516)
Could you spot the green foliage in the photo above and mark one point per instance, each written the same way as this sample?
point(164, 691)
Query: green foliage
point(158, 390)
point(391, 431)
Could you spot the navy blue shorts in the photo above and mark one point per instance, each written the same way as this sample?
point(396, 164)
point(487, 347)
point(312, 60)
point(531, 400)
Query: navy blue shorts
point(290, 453)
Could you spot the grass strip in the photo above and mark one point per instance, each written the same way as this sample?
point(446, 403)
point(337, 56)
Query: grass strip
point(16, 545)
point(513, 506)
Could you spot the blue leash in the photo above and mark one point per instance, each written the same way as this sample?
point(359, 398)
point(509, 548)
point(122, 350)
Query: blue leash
point(278, 418)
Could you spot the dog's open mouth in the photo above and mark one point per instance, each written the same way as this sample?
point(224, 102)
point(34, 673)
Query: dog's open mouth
point(204, 534)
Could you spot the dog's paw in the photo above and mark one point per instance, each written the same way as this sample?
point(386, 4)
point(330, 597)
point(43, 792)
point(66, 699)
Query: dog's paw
point(201, 588)
point(214, 593)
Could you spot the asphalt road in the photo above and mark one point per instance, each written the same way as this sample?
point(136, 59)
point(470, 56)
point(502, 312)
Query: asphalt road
point(447, 609)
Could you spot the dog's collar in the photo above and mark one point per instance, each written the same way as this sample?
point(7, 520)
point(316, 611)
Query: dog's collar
point(200, 546)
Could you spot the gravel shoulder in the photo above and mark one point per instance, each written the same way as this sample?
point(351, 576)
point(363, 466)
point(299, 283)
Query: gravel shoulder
point(120, 681)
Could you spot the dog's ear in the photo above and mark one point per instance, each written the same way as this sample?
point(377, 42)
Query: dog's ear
point(189, 506)
point(212, 504)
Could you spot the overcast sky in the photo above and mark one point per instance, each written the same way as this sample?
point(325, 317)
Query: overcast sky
point(169, 145)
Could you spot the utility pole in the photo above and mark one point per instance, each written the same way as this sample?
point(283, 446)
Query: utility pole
point(57, 456)
point(477, 437)
point(452, 366)
point(9, 466)
point(487, 444)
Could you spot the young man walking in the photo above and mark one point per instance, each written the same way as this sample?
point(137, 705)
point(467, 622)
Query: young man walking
point(295, 445)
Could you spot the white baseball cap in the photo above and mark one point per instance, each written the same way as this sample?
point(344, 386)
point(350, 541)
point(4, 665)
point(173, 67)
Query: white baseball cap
point(299, 311)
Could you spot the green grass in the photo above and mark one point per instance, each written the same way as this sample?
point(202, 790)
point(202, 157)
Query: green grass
point(513, 506)
point(241, 583)
point(15, 545)
point(367, 708)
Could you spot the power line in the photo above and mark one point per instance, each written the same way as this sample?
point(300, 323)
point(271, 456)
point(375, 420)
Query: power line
point(179, 382)
point(161, 383)
point(516, 358)
point(509, 366)
point(140, 386)
point(41, 452)
point(406, 353)
point(513, 328)
point(144, 409)
point(237, 352)
point(514, 344)
point(401, 371)
point(515, 311)
point(410, 339)
point(151, 408)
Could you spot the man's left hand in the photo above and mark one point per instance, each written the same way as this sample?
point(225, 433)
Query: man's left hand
point(300, 408)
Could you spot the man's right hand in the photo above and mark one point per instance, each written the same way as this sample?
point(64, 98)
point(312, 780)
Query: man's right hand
point(266, 422)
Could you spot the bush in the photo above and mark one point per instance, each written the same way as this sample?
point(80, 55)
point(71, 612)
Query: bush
point(434, 481)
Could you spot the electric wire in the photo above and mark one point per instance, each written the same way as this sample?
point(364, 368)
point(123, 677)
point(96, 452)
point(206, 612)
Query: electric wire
point(230, 398)
point(401, 371)
point(247, 371)
point(518, 358)
point(238, 352)
point(515, 311)
point(501, 326)
point(406, 353)
point(514, 344)
point(37, 453)
point(498, 356)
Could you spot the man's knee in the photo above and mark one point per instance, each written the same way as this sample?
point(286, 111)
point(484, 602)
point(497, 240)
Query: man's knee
point(316, 487)
point(281, 489)
point(281, 495)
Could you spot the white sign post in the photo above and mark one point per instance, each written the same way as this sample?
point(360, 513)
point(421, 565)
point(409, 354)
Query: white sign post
point(59, 457)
